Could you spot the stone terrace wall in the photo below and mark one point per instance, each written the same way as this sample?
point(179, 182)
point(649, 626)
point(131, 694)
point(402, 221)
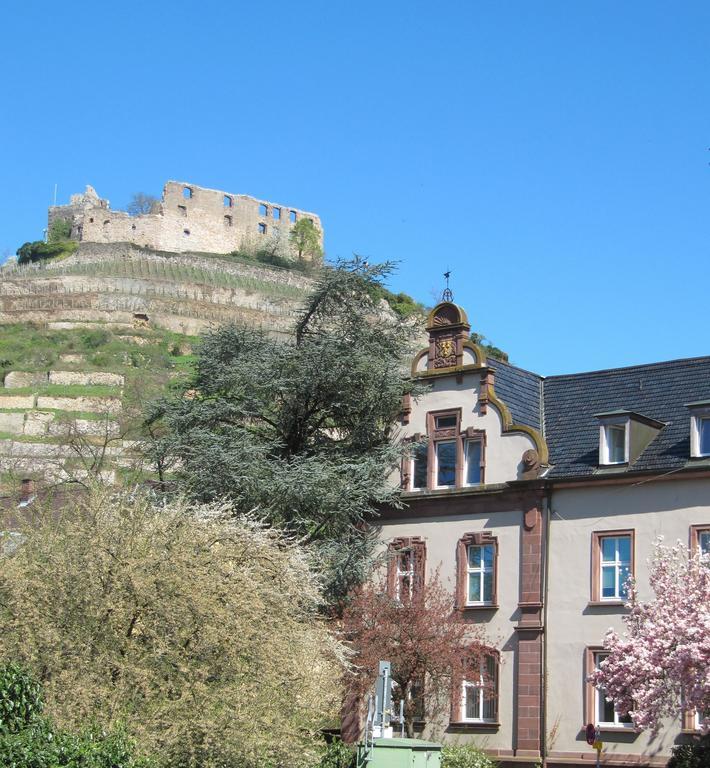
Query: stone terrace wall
point(119, 283)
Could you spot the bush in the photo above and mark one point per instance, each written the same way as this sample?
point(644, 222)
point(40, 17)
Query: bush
point(465, 756)
point(29, 253)
point(95, 338)
point(20, 699)
point(338, 755)
point(59, 231)
point(695, 755)
point(206, 642)
point(28, 740)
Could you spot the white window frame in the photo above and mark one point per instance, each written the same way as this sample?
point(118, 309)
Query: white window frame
point(437, 443)
point(599, 656)
point(482, 570)
point(466, 444)
point(699, 415)
point(478, 688)
point(401, 572)
point(604, 444)
point(617, 563)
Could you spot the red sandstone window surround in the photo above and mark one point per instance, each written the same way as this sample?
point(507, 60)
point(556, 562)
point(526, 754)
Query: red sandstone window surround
point(450, 459)
point(477, 571)
point(612, 562)
point(598, 710)
point(406, 563)
point(475, 693)
point(700, 538)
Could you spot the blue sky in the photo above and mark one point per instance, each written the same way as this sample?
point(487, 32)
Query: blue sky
point(553, 155)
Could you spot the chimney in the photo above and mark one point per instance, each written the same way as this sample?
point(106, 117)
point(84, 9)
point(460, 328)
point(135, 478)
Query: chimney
point(27, 490)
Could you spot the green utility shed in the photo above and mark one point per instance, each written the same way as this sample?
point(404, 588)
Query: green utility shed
point(400, 753)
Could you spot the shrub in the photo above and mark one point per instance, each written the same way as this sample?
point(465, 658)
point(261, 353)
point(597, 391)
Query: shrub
point(29, 253)
point(695, 755)
point(205, 640)
point(95, 338)
point(465, 756)
point(20, 699)
point(338, 755)
point(59, 231)
point(28, 740)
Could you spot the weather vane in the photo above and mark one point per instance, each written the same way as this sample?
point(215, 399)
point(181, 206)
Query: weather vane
point(447, 295)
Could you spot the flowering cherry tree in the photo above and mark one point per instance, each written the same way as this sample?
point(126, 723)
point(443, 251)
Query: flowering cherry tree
point(423, 637)
point(661, 664)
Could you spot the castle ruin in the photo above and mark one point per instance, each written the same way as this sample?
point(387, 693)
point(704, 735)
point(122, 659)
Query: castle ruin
point(187, 218)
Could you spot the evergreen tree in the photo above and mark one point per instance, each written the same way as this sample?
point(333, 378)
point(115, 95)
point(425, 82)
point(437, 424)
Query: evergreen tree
point(300, 430)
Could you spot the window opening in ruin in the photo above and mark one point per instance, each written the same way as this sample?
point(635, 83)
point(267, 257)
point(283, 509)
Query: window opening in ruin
point(292, 216)
point(187, 193)
point(227, 221)
point(186, 232)
point(228, 202)
point(133, 226)
point(277, 213)
point(262, 209)
point(107, 221)
point(183, 210)
point(91, 220)
point(262, 229)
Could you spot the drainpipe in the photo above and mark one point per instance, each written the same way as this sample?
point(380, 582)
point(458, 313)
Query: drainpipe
point(547, 504)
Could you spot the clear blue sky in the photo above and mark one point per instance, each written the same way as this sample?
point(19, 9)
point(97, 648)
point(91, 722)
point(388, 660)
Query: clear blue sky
point(552, 154)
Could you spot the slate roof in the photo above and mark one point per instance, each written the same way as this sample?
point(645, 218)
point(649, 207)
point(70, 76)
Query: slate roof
point(659, 391)
point(521, 391)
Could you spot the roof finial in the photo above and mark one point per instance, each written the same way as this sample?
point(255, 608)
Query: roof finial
point(447, 295)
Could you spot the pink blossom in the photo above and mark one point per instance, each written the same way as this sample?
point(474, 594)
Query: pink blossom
point(661, 664)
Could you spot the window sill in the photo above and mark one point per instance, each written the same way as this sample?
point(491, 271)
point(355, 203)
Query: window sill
point(618, 729)
point(468, 725)
point(606, 604)
point(480, 607)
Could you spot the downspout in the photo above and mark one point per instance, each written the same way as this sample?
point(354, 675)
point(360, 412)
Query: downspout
point(547, 504)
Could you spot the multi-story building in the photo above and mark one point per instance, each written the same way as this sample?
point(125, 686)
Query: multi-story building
point(535, 498)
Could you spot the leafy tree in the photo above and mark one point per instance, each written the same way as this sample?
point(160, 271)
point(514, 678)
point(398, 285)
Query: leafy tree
point(141, 203)
point(300, 430)
point(421, 637)
point(695, 755)
point(305, 240)
point(662, 662)
point(59, 231)
point(196, 629)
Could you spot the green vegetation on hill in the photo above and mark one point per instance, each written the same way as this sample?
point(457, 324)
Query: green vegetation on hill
point(28, 347)
point(490, 349)
point(29, 253)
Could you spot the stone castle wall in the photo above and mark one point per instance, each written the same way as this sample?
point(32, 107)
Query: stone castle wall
point(189, 218)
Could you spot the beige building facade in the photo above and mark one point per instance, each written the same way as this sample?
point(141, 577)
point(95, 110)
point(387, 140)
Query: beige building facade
point(533, 498)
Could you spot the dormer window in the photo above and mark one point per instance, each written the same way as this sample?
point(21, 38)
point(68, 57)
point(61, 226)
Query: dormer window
point(699, 429)
point(613, 443)
point(624, 436)
point(615, 439)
